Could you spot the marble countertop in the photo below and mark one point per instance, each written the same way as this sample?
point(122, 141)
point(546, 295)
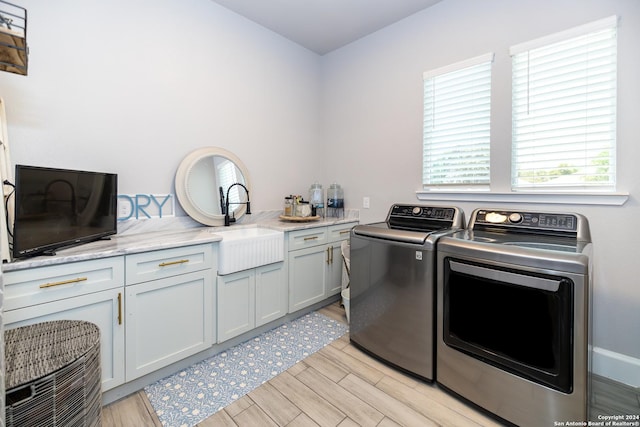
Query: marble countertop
point(129, 243)
point(285, 226)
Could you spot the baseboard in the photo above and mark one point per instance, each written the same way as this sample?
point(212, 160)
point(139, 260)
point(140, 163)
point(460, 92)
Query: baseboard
point(616, 366)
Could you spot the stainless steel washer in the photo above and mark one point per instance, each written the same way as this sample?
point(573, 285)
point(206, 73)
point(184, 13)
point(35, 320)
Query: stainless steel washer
point(513, 326)
point(392, 304)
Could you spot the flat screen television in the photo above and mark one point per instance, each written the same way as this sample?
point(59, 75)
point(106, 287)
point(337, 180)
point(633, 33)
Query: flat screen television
point(55, 208)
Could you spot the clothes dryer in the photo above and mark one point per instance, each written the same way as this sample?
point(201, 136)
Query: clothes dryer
point(513, 314)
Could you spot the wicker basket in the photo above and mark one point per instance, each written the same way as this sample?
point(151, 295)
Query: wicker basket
point(53, 375)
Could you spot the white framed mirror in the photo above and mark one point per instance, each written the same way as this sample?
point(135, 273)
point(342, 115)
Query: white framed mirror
point(202, 183)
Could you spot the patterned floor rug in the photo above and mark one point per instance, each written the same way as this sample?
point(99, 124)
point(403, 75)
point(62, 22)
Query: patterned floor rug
point(196, 393)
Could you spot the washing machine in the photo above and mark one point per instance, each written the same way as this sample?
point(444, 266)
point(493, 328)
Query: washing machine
point(513, 314)
point(392, 300)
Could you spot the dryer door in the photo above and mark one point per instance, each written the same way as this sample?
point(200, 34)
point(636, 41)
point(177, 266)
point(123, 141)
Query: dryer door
point(518, 321)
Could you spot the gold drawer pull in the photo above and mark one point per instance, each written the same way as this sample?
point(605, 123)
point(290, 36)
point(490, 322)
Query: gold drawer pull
point(180, 261)
point(345, 232)
point(310, 238)
point(64, 282)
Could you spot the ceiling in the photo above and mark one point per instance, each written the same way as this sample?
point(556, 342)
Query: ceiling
point(325, 25)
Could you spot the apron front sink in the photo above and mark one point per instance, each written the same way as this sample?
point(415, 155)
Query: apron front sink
point(244, 248)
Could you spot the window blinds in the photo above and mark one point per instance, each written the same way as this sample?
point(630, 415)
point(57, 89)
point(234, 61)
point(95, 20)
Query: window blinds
point(457, 104)
point(564, 109)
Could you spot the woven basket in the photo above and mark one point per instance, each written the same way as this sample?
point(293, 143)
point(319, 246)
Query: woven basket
point(53, 375)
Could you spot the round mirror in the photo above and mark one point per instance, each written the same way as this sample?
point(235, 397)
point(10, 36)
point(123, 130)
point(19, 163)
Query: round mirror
point(204, 185)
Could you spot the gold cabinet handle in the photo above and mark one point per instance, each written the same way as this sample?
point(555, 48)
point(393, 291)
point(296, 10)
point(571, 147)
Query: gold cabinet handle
point(328, 257)
point(180, 261)
point(119, 308)
point(64, 282)
point(345, 232)
point(310, 238)
point(331, 251)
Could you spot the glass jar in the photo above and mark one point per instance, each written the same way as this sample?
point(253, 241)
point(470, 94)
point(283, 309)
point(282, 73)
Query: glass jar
point(303, 209)
point(316, 200)
point(335, 197)
point(316, 196)
point(288, 206)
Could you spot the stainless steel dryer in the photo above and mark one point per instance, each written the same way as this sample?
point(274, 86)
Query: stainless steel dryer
point(513, 327)
point(392, 304)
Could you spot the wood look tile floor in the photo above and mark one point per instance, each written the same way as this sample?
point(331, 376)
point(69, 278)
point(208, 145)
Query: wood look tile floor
point(341, 386)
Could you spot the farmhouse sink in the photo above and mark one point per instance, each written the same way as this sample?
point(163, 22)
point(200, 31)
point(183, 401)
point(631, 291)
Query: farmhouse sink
point(244, 248)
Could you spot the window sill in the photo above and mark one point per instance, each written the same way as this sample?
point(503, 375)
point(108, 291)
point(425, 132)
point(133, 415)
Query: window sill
point(606, 199)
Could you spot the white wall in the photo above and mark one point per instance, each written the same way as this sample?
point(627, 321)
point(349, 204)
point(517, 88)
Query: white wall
point(372, 124)
point(132, 87)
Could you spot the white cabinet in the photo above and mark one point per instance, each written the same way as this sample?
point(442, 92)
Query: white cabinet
point(102, 309)
point(307, 279)
point(152, 265)
point(89, 290)
point(250, 298)
point(334, 269)
point(236, 304)
point(158, 307)
point(156, 311)
point(271, 293)
point(172, 316)
point(315, 264)
point(57, 282)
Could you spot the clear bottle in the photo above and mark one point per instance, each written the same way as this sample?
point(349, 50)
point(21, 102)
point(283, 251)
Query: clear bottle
point(316, 199)
point(288, 206)
point(335, 197)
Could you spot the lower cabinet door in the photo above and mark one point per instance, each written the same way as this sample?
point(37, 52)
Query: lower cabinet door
point(272, 294)
point(236, 304)
point(307, 271)
point(103, 309)
point(334, 269)
point(168, 320)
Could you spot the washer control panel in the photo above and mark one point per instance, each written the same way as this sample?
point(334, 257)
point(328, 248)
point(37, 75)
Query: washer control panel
point(422, 212)
point(530, 221)
point(424, 218)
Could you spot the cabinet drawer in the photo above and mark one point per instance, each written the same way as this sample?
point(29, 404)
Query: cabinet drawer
point(340, 231)
point(154, 265)
point(33, 286)
point(308, 237)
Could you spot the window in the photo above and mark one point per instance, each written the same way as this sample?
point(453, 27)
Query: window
point(564, 110)
point(457, 104)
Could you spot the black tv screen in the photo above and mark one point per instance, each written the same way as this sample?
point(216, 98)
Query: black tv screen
point(59, 207)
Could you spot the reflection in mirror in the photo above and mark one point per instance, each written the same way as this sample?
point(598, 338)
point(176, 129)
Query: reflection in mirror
point(227, 174)
point(203, 180)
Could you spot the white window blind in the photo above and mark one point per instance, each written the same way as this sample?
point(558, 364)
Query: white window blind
point(564, 110)
point(457, 110)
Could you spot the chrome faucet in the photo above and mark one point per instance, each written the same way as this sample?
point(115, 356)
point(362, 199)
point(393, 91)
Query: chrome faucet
point(227, 219)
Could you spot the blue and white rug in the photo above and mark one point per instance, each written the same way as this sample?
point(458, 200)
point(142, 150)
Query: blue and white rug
point(196, 393)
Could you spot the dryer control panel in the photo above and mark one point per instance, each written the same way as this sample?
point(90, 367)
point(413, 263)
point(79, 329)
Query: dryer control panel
point(561, 223)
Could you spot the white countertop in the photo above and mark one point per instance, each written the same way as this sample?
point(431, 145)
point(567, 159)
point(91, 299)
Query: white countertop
point(150, 241)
